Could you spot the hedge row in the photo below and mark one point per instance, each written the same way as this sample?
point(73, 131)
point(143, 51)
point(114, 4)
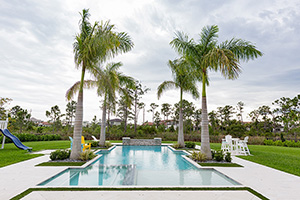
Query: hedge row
point(26, 137)
point(286, 143)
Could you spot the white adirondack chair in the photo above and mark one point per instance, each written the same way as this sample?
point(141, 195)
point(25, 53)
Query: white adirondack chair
point(227, 144)
point(243, 147)
point(95, 139)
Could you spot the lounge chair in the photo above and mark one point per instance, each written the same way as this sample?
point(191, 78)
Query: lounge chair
point(84, 145)
point(95, 139)
point(243, 147)
point(227, 144)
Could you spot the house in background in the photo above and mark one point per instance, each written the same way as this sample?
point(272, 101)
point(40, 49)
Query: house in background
point(115, 122)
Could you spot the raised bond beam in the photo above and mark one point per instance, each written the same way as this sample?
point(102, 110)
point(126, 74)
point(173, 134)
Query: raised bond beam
point(141, 142)
point(15, 140)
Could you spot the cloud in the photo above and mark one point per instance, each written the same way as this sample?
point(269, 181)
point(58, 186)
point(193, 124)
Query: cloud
point(36, 58)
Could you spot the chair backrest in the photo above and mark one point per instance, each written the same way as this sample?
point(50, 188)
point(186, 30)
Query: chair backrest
point(228, 138)
point(71, 139)
point(246, 139)
point(82, 140)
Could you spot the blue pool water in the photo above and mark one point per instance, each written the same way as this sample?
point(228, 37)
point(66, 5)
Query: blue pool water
point(140, 165)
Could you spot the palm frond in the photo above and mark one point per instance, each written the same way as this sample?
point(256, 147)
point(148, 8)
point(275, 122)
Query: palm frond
point(242, 49)
point(87, 84)
point(166, 85)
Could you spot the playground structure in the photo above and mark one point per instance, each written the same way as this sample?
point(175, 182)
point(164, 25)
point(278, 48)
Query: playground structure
point(14, 139)
point(3, 126)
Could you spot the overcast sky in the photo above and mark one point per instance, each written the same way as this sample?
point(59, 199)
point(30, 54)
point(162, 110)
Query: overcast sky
point(37, 61)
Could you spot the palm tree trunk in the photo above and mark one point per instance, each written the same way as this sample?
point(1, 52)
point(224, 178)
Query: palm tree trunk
point(135, 113)
point(205, 146)
point(108, 119)
point(125, 120)
point(103, 125)
point(76, 148)
point(180, 129)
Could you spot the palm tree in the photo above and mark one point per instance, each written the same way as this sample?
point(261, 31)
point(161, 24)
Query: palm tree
point(184, 80)
point(108, 85)
point(207, 55)
point(108, 82)
point(93, 45)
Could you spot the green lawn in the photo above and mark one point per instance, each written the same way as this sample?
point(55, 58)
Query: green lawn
point(11, 154)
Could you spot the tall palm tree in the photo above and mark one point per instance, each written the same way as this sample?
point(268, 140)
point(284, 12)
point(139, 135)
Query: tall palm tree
point(108, 82)
point(207, 55)
point(183, 78)
point(93, 45)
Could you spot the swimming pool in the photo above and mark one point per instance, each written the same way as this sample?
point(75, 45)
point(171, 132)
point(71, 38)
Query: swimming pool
point(141, 166)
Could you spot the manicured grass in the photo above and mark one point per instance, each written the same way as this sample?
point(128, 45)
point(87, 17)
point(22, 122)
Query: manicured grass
point(61, 164)
point(220, 165)
point(11, 154)
point(28, 191)
point(286, 159)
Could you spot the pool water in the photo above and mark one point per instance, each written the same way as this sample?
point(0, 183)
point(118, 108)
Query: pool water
point(142, 166)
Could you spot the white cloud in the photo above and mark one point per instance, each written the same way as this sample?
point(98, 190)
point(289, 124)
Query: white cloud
point(36, 58)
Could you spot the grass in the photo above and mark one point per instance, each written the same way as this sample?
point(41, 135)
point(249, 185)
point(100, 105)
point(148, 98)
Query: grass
point(61, 164)
point(220, 165)
point(286, 159)
point(11, 154)
point(28, 191)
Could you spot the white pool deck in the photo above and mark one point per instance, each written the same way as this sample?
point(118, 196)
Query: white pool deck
point(271, 183)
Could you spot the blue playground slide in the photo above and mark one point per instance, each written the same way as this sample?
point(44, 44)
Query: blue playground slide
point(15, 140)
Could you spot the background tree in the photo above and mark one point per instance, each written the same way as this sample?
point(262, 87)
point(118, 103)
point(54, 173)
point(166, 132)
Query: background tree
point(70, 112)
point(157, 119)
point(207, 55)
point(137, 94)
point(54, 114)
point(166, 110)
point(93, 45)
point(123, 111)
point(183, 80)
point(3, 111)
point(20, 117)
point(152, 109)
point(240, 108)
point(197, 118)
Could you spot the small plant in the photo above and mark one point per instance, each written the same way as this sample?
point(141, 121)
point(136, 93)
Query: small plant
point(190, 145)
point(219, 155)
point(94, 144)
point(60, 154)
point(198, 156)
point(176, 145)
point(212, 154)
point(228, 157)
point(108, 144)
point(87, 155)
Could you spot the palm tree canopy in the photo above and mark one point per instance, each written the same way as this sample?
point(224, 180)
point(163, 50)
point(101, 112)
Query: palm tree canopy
point(95, 44)
point(208, 55)
point(183, 78)
point(108, 82)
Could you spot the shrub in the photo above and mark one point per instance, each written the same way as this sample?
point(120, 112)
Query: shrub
point(108, 144)
point(94, 143)
point(198, 156)
point(268, 142)
point(228, 157)
point(219, 156)
point(176, 145)
point(87, 155)
point(60, 154)
point(190, 145)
